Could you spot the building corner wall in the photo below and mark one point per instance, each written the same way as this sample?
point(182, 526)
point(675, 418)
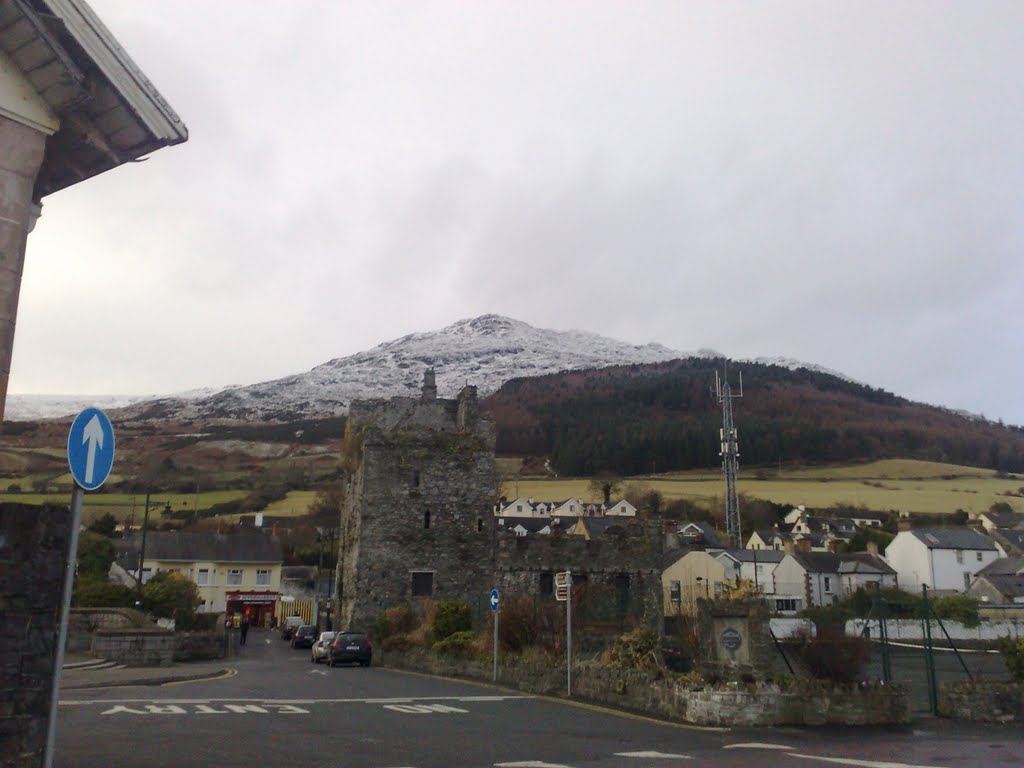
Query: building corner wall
point(21, 155)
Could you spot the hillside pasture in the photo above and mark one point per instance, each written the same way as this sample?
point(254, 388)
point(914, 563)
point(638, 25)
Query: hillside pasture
point(898, 485)
point(124, 506)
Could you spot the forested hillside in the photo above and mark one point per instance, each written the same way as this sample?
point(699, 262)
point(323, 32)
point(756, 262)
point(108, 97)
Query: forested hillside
point(661, 417)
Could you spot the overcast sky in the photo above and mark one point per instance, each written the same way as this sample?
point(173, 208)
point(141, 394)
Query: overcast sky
point(837, 182)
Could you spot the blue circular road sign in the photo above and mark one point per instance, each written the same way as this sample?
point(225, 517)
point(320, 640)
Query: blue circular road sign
point(91, 448)
point(494, 600)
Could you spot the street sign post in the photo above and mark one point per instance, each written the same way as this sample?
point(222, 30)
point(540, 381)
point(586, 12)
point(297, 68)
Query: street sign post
point(563, 593)
point(90, 457)
point(495, 599)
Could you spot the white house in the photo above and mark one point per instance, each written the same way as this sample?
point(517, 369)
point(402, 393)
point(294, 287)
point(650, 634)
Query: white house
point(812, 577)
point(863, 570)
point(753, 566)
point(940, 558)
point(621, 509)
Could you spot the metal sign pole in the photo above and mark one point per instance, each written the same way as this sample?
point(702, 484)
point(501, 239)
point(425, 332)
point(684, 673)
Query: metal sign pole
point(495, 646)
point(62, 633)
point(568, 637)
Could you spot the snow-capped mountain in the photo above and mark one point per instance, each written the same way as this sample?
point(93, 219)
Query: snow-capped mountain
point(485, 351)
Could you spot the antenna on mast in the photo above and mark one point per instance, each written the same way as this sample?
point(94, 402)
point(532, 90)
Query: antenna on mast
point(729, 451)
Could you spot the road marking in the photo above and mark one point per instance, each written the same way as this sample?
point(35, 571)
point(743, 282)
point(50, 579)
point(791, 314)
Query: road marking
point(863, 763)
point(664, 755)
point(757, 745)
point(280, 702)
point(424, 709)
point(207, 709)
point(531, 764)
point(317, 672)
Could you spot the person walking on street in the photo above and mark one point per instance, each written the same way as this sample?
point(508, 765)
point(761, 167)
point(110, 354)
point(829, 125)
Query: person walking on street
point(244, 630)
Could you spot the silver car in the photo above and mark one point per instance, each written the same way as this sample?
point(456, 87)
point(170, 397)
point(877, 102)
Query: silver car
point(321, 647)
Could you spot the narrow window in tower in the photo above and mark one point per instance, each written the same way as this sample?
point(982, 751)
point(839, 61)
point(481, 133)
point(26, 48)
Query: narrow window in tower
point(426, 518)
point(415, 478)
point(479, 524)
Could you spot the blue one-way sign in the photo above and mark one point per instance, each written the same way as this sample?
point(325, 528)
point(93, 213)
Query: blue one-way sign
point(91, 448)
point(494, 600)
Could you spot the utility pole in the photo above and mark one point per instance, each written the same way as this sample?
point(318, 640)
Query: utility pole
point(142, 553)
point(729, 451)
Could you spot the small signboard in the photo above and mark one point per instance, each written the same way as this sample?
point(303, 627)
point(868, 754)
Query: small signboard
point(563, 582)
point(90, 448)
point(732, 640)
point(494, 600)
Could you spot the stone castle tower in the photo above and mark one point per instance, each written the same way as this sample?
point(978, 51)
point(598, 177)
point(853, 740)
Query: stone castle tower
point(416, 519)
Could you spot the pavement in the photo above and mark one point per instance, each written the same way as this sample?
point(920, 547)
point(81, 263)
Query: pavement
point(83, 671)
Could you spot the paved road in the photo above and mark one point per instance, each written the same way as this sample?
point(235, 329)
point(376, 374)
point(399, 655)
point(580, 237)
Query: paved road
point(280, 710)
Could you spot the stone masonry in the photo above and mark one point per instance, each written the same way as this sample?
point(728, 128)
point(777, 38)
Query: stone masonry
point(417, 522)
point(33, 548)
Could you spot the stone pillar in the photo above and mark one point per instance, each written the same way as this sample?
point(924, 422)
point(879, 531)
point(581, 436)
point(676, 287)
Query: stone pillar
point(21, 154)
point(33, 548)
point(735, 639)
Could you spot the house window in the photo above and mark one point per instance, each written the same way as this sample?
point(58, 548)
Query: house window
point(234, 577)
point(203, 577)
point(675, 592)
point(959, 555)
point(479, 524)
point(422, 583)
point(519, 507)
point(547, 584)
point(426, 518)
point(979, 556)
point(262, 577)
point(415, 478)
point(828, 584)
point(785, 604)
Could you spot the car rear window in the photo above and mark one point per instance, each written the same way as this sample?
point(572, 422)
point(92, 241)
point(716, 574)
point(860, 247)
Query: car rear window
point(351, 637)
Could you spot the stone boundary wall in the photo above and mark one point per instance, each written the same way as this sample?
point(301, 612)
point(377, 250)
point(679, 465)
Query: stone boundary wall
point(982, 701)
point(737, 705)
point(84, 621)
point(135, 647)
point(203, 646)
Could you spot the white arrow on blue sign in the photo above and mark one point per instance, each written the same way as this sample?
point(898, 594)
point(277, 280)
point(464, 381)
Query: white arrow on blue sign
point(91, 448)
point(494, 600)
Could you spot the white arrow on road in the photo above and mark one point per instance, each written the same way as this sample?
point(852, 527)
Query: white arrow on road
point(93, 435)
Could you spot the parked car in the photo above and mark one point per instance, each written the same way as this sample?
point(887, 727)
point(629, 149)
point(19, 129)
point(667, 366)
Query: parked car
point(289, 625)
point(304, 636)
point(321, 646)
point(350, 646)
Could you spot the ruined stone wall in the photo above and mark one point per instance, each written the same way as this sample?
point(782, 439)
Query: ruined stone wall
point(33, 550)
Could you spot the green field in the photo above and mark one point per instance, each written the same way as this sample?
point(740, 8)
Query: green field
point(124, 505)
point(901, 485)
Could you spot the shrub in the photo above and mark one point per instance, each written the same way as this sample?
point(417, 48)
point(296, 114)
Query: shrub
point(450, 617)
point(398, 642)
point(173, 596)
point(832, 655)
point(1013, 655)
point(962, 608)
point(99, 592)
point(95, 554)
point(634, 650)
point(517, 628)
point(457, 644)
point(393, 621)
point(828, 616)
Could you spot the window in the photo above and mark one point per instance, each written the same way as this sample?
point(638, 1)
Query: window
point(234, 577)
point(479, 524)
point(785, 604)
point(959, 555)
point(828, 584)
point(426, 518)
point(263, 577)
point(203, 577)
point(979, 556)
point(547, 583)
point(519, 507)
point(675, 592)
point(422, 583)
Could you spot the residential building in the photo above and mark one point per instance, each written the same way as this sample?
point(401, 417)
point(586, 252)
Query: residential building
point(752, 566)
point(939, 558)
point(864, 570)
point(1001, 582)
point(688, 576)
point(234, 573)
point(811, 578)
point(699, 534)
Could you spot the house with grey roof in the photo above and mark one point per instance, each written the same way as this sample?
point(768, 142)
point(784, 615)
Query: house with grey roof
point(863, 570)
point(752, 566)
point(808, 578)
point(1001, 582)
point(940, 558)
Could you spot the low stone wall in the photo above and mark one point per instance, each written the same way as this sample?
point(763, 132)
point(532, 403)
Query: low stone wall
point(84, 621)
point(135, 647)
point(984, 701)
point(202, 646)
point(738, 705)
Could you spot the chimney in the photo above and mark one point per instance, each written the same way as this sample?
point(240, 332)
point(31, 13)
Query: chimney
point(872, 548)
point(429, 385)
point(903, 524)
point(787, 547)
point(803, 545)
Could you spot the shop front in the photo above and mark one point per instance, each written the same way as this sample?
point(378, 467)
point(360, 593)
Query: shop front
point(257, 606)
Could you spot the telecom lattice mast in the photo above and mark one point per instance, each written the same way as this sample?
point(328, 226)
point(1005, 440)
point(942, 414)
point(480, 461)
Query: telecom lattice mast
point(730, 454)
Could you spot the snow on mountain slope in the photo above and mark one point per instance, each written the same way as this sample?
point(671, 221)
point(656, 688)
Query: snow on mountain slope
point(485, 351)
